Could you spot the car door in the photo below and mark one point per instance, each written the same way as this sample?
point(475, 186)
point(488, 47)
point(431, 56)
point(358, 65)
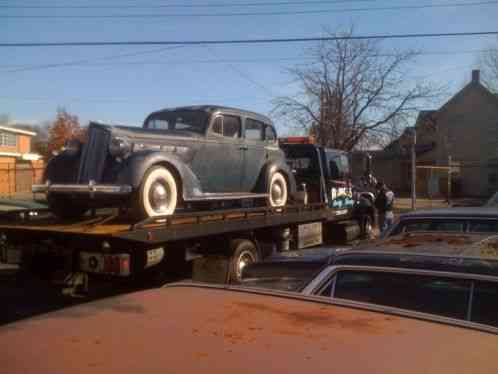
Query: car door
point(223, 163)
point(341, 195)
point(254, 155)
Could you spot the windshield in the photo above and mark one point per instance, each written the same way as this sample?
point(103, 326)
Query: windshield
point(181, 120)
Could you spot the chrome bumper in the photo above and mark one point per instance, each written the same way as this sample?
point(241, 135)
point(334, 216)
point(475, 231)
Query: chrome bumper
point(90, 188)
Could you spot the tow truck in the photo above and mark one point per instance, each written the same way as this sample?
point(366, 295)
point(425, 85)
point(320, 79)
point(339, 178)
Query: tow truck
point(104, 245)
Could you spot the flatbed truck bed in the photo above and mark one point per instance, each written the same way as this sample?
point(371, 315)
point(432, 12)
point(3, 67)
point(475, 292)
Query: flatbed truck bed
point(108, 244)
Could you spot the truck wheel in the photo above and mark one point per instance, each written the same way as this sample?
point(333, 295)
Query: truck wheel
point(158, 193)
point(244, 252)
point(277, 190)
point(65, 208)
point(367, 227)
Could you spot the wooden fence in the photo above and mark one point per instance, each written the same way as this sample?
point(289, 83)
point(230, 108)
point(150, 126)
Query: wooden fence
point(17, 178)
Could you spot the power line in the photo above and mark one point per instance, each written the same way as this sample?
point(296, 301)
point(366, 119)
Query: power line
point(89, 61)
point(207, 5)
point(246, 41)
point(17, 68)
point(248, 14)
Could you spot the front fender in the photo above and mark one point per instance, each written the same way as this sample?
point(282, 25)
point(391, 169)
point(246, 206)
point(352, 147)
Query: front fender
point(270, 168)
point(134, 168)
point(62, 169)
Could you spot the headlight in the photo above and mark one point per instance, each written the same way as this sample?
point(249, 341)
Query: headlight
point(119, 147)
point(72, 147)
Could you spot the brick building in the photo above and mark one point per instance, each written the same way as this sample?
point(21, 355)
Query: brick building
point(19, 166)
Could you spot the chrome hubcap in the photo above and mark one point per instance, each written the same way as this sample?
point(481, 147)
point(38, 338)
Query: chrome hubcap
point(245, 259)
point(159, 196)
point(277, 193)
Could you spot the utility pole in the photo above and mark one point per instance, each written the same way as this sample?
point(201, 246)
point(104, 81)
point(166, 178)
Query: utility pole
point(414, 169)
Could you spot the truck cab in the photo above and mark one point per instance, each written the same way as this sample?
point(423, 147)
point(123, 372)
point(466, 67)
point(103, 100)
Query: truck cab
point(324, 173)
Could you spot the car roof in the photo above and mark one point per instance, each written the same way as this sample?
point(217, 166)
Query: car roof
point(455, 212)
point(436, 243)
point(412, 259)
point(192, 328)
point(216, 108)
point(452, 252)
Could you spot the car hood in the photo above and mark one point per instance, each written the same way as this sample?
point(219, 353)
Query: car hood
point(193, 329)
point(138, 133)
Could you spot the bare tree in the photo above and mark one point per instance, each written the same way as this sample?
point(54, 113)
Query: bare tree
point(489, 66)
point(353, 93)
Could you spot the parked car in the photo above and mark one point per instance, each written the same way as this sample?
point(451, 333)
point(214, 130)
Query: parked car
point(460, 281)
point(463, 220)
point(191, 328)
point(181, 156)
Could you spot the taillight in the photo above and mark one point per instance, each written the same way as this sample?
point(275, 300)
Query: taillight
point(117, 264)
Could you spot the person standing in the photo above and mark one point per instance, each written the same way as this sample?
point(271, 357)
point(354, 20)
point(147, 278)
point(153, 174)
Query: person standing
point(384, 202)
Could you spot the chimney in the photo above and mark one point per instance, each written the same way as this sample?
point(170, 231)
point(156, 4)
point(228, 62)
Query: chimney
point(476, 76)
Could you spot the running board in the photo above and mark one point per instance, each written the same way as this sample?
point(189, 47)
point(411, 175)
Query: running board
point(227, 196)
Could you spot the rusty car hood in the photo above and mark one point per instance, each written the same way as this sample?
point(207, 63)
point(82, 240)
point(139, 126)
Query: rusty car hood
point(189, 329)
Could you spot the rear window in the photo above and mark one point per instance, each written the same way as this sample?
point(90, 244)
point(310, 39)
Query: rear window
point(304, 160)
point(429, 294)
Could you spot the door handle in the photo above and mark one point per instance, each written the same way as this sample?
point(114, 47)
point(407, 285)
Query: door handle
point(243, 148)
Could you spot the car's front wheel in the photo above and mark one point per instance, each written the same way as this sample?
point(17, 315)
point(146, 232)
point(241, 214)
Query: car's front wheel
point(158, 193)
point(277, 190)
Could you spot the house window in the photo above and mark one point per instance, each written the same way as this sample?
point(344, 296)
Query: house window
point(7, 139)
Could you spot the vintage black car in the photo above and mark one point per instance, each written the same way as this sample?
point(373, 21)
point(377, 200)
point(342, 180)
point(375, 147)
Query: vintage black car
point(453, 276)
point(180, 156)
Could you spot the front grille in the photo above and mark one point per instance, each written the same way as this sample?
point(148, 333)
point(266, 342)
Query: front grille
point(94, 154)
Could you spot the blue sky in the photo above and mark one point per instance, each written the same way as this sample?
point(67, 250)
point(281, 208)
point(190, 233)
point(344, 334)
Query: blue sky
point(125, 89)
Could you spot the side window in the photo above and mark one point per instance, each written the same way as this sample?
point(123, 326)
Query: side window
point(231, 126)
point(429, 294)
point(483, 226)
point(485, 303)
point(270, 134)
point(218, 125)
point(254, 129)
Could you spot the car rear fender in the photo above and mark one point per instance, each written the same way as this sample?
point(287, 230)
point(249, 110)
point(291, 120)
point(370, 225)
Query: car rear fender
point(135, 167)
point(269, 169)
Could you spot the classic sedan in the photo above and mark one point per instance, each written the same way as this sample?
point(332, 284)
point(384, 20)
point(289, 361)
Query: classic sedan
point(181, 156)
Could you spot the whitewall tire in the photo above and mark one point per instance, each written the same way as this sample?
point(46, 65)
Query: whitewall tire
point(158, 193)
point(277, 190)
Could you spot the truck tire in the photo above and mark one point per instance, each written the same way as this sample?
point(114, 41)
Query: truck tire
point(157, 194)
point(65, 208)
point(244, 252)
point(277, 190)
